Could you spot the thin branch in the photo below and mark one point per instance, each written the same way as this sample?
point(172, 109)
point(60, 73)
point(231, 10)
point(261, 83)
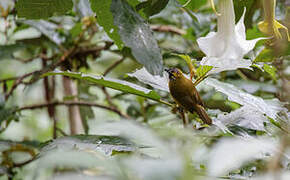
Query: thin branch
point(73, 51)
point(37, 73)
point(170, 29)
point(107, 71)
point(108, 97)
point(71, 103)
point(164, 102)
point(114, 65)
point(18, 82)
point(61, 131)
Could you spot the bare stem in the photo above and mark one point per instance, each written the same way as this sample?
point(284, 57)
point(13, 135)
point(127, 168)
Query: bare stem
point(70, 103)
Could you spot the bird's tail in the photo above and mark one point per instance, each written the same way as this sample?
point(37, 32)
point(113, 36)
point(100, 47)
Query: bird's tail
point(203, 115)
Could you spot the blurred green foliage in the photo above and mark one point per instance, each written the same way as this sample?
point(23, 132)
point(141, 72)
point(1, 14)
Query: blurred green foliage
point(75, 102)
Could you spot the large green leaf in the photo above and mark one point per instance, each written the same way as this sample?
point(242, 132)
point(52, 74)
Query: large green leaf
point(79, 153)
point(117, 84)
point(152, 7)
point(105, 19)
point(137, 35)
point(193, 4)
point(240, 6)
point(37, 9)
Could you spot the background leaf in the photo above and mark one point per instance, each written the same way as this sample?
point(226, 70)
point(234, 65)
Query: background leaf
point(105, 19)
point(152, 7)
point(193, 4)
point(137, 35)
point(270, 70)
point(37, 9)
point(268, 107)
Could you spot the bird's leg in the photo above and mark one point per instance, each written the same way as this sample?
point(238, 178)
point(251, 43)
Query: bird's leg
point(182, 114)
point(174, 109)
point(181, 111)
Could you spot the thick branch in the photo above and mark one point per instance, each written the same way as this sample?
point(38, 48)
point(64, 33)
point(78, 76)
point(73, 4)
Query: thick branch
point(75, 119)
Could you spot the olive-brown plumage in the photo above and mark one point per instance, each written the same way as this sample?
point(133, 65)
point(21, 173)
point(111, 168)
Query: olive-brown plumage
point(185, 94)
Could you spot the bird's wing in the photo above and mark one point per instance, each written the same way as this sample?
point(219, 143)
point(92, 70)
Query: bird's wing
point(186, 102)
point(196, 97)
point(193, 93)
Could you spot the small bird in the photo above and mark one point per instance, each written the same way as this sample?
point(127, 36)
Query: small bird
point(185, 94)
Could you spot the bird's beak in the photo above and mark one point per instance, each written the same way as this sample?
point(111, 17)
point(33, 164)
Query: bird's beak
point(169, 71)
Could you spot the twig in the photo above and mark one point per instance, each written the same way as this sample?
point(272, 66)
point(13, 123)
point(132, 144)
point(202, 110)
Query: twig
point(164, 102)
point(61, 131)
point(108, 97)
point(107, 71)
point(114, 65)
point(242, 75)
point(71, 103)
point(170, 29)
point(73, 51)
point(17, 82)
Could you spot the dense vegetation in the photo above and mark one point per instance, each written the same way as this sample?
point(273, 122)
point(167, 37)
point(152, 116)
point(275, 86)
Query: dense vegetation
point(84, 94)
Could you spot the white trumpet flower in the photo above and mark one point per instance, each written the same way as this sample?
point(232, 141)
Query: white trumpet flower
point(226, 48)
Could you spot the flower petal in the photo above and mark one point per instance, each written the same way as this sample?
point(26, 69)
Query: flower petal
point(226, 48)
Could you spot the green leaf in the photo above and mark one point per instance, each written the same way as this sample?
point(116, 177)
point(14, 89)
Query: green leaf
point(185, 57)
point(137, 35)
point(38, 9)
point(80, 152)
point(240, 5)
point(193, 5)
point(203, 70)
point(266, 55)
point(76, 30)
point(106, 144)
point(7, 115)
point(117, 84)
point(105, 19)
point(152, 7)
point(271, 70)
point(268, 107)
point(7, 51)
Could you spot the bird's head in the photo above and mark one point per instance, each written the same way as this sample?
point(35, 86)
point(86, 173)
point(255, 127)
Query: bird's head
point(174, 73)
